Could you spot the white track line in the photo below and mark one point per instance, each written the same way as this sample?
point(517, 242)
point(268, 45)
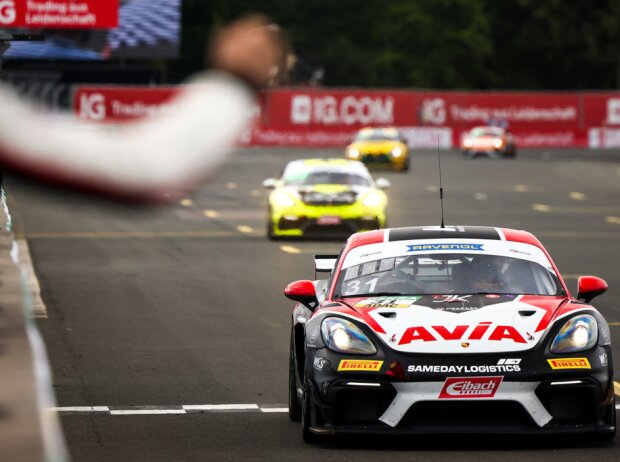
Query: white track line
point(163, 410)
point(220, 407)
point(178, 410)
point(147, 411)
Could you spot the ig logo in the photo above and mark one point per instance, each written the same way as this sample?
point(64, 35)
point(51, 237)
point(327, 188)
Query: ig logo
point(301, 109)
point(7, 12)
point(92, 107)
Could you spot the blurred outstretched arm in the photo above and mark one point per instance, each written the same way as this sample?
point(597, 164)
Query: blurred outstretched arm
point(157, 158)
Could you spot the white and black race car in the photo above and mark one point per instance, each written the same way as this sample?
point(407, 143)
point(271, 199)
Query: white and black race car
point(448, 330)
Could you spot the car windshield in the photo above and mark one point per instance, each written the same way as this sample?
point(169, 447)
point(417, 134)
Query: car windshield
point(389, 134)
point(486, 131)
point(314, 177)
point(445, 273)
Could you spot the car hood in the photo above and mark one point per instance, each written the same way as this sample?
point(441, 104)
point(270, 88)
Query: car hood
point(328, 188)
point(455, 323)
point(376, 147)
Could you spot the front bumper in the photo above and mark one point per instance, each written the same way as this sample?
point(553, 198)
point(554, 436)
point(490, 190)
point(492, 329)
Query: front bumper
point(309, 221)
point(490, 152)
point(383, 160)
point(535, 400)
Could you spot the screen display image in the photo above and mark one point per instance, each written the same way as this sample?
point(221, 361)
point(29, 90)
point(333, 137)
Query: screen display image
point(147, 29)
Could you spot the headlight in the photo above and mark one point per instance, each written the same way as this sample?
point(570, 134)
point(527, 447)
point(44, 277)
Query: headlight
point(353, 153)
point(343, 336)
point(371, 200)
point(498, 143)
point(396, 152)
point(283, 199)
point(577, 334)
point(468, 143)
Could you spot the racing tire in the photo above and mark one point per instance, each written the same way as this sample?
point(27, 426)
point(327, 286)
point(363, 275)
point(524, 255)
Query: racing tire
point(294, 406)
point(306, 434)
point(608, 437)
point(271, 235)
point(406, 166)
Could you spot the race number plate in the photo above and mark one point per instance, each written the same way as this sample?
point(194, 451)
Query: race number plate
point(328, 220)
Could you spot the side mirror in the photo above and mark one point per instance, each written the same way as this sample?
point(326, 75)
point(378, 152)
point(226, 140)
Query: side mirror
point(270, 183)
point(382, 183)
point(304, 292)
point(589, 287)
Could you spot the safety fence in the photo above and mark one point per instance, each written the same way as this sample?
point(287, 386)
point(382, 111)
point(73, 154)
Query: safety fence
point(330, 117)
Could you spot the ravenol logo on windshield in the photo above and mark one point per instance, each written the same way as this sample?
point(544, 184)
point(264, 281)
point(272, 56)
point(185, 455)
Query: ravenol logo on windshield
point(422, 247)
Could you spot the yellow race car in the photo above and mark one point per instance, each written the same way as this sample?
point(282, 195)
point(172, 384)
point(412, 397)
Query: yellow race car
point(330, 198)
point(380, 147)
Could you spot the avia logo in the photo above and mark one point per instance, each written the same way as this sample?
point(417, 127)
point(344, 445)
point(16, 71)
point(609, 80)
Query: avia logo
point(92, 107)
point(8, 14)
point(470, 387)
point(481, 331)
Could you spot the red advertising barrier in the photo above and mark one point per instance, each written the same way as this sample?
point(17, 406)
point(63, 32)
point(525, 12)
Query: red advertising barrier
point(602, 119)
point(116, 104)
point(323, 117)
point(59, 14)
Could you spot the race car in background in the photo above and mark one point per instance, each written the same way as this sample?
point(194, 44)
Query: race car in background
point(329, 198)
point(448, 330)
point(488, 141)
point(380, 147)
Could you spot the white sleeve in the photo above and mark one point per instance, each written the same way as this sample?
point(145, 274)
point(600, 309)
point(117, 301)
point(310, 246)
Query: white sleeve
point(150, 158)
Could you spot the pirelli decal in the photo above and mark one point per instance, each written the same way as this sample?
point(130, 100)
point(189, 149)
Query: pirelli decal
point(569, 363)
point(359, 365)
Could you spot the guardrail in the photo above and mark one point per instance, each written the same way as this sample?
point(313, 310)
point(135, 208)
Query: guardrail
point(27, 430)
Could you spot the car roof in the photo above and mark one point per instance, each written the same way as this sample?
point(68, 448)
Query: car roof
point(436, 232)
point(446, 232)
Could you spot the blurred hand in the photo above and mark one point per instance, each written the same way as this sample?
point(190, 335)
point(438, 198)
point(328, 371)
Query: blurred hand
point(251, 48)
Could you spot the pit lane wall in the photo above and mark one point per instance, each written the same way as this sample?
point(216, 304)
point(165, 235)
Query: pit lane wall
point(319, 117)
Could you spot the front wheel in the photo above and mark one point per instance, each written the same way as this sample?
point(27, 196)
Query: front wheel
point(306, 434)
point(271, 235)
point(294, 407)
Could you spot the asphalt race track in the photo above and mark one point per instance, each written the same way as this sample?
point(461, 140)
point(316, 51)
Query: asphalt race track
point(153, 309)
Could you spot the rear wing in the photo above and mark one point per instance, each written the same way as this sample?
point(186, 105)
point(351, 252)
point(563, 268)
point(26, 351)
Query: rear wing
point(324, 264)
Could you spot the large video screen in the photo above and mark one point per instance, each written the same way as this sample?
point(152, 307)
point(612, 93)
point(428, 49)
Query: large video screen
point(96, 30)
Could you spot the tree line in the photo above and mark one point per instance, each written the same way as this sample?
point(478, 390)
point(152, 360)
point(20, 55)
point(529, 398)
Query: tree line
point(443, 44)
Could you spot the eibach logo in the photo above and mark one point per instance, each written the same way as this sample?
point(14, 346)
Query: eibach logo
point(92, 106)
point(8, 14)
point(470, 387)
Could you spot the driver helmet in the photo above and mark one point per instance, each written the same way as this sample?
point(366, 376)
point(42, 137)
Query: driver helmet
point(486, 276)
